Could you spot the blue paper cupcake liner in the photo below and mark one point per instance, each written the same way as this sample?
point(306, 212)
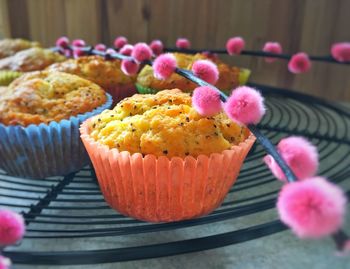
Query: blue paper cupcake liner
point(44, 150)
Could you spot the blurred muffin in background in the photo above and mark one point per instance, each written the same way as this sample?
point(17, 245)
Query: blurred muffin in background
point(32, 59)
point(9, 47)
point(105, 73)
point(229, 76)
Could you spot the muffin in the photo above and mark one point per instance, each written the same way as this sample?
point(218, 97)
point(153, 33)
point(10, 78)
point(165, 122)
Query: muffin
point(157, 159)
point(40, 114)
point(33, 59)
point(229, 77)
point(106, 73)
point(9, 47)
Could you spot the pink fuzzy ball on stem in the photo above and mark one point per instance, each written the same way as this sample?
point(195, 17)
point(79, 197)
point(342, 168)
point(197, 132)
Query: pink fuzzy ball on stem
point(245, 106)
point(206, 101)
point(299, 154)
point(126, 50)
point(210, 55)
point(206, 70)
point(272, 47)
point(78, 52)
point(341, 51)
point(78, 43)
point(100, 47)
point(235, 45)
point(299, 63)
point(129, 67)
point(5, 263)
point(141, 52)
point(12, 227)
point(120, 42)
point(183, 43)
point(312, 208)
point(68, 53)
point(62, 42)
point(164, 66)
point(157, 47)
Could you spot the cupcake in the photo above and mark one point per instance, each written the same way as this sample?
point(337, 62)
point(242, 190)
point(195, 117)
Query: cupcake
point(106, 73)
point(33, 59)
point(9, 47)
point(229, 77)
point(158, 160)
point(40, 114)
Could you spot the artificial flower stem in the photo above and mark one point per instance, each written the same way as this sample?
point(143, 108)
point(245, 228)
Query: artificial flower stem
point(340, 238)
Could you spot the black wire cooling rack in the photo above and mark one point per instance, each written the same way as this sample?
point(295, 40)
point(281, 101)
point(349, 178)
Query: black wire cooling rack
point(67, 217)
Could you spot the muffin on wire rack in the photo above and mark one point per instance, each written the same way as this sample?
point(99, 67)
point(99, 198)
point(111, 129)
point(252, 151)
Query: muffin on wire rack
point(157, 159)
point(32, 59)
point(9, 47)
point(40, 114)
point(106, 73)
point(229, 76)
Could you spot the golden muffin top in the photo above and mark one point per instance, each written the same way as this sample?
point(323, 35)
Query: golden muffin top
point(164, 124)
point(228, 76)
point(106, 73)
point(33, 59)
point(9, 46)
point(42, 97)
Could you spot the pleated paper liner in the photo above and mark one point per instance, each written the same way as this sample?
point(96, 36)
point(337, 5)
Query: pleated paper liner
point(44, 150)
point(6, 77)
point(120, 92)
point(159, 189)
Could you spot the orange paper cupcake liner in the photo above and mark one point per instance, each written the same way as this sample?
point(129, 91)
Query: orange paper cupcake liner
point(159, 189)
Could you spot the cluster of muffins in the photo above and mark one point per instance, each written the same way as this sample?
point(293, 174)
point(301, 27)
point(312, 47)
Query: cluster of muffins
point(156, 158)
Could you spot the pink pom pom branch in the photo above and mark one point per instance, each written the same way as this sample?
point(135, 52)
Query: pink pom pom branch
point(254, 103)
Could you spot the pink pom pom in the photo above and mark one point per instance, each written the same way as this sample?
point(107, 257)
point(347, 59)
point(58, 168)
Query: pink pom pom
point(312, 208)
point(157, 47)
point(129, 67)
point(341, 51)
point(120, 42)
point(78, 52)
point(100, 47)
point(126, 50)
point(12, 227)
point(210, 55)
point(206, 101)
point(272, 47)
point(183, 43)
point(299, 63)
point(68, 53)
point(62, 42)
point(78, 43)
point(5, 263)
point(300, 155)
point(235, 45)
point(164, 65)
point(141, 52)
point(245, 106)
point(206, 70)
point(110, 51)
